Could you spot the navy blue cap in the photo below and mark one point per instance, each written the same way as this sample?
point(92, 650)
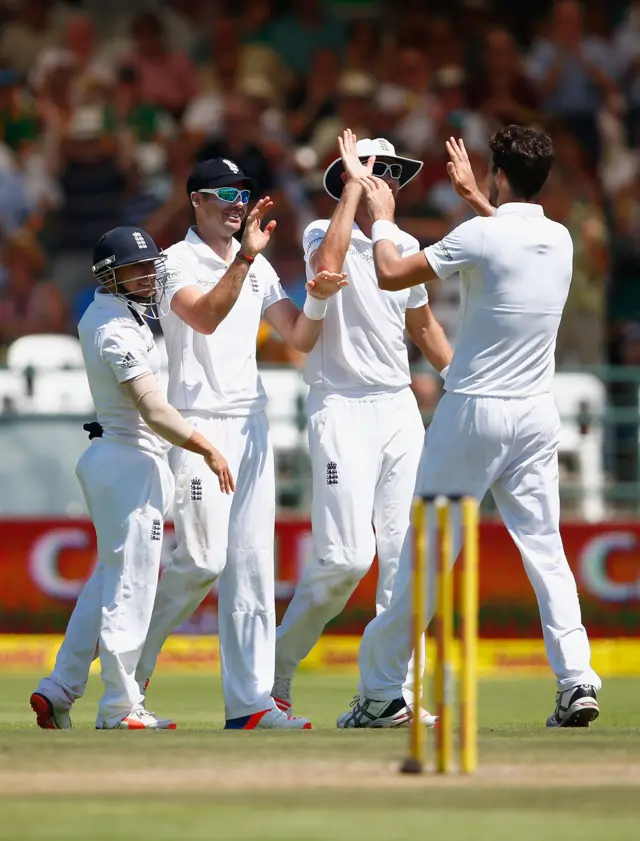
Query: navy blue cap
point(217, 172)
point(123, 247)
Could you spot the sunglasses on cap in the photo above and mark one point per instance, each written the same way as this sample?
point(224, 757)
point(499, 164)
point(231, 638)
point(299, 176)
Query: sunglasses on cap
point(229, 194)
point(380, 169)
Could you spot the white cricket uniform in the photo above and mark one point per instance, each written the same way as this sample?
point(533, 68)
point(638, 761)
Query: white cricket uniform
point(128, 487)
point(215, 384)
point(365, 438)
point(497, 428)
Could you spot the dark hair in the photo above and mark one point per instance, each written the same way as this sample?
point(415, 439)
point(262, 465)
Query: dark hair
point(525, 156)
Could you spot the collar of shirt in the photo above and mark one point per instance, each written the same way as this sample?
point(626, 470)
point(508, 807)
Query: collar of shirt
point(106, 299)
point(520, 208)
point(205, 252)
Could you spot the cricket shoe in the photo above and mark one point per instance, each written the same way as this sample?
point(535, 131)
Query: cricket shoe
point(281, 694)
point(139, 719)
point(426, 717)
point(367, 713)
point(49, 717)
point(273, 719)
point(575, 707)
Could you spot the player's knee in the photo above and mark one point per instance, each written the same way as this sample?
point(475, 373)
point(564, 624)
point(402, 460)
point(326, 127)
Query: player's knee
point(204, 566)
point(339, 575)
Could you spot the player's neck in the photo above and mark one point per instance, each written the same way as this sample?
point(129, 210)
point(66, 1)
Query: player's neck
point(219, 244)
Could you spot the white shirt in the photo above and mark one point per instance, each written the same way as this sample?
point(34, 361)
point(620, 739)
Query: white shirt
point(362, 341)
point(116, 349)
point(515, 271)
point(217, 373)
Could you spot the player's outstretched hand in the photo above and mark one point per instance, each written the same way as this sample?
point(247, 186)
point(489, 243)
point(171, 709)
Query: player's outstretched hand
point(326, 284)
point(459, 169)
point(353, 166)
point(254, 239)
point(218, 463)
point(379, 198)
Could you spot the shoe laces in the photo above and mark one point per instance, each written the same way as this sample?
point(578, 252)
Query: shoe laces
point(354, 700)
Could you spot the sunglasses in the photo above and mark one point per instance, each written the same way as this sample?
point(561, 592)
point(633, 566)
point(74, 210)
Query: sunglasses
point(380, 169)
point(230, 194)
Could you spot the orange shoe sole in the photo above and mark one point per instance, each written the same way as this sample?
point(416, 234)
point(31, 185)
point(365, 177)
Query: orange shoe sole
point(44, 712)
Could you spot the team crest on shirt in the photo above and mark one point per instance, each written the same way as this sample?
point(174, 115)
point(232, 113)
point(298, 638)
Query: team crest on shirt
point(156, 530)
point(255, 285)
point(196, 490)
point(332, 473)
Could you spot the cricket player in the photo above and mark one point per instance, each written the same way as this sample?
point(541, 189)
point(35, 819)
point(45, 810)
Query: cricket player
point(128, 487)
point(496, 427)
point(219, 289)
point(365, 430)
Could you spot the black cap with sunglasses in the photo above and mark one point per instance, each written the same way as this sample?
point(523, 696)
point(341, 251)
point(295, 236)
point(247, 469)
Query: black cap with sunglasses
point(209, 175)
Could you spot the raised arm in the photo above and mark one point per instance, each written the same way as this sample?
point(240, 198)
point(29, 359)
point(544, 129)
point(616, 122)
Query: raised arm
point(330, 254)
point(204, 311)
point(464, 181)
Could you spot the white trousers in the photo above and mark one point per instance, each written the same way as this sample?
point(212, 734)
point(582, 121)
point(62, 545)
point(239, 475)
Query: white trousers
point(511, 447)
point(229, 539)
point(128, 493)
point(364, 456)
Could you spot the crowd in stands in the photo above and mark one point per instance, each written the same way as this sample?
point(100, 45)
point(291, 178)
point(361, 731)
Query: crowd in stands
point(105, 107)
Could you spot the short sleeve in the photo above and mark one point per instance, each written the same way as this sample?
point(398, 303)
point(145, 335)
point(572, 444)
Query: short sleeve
point(180, 274)
point(273, 291)
point(408, 245)
point(458, 251)
point(313, 236)
point(124, 349)
point(418, 297)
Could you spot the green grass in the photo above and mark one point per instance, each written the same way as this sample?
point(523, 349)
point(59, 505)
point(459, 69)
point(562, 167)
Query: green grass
point(201, 782)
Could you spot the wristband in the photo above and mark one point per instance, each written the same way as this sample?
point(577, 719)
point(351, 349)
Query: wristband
point(314, 308)
point(384, 229)
point(241, 256)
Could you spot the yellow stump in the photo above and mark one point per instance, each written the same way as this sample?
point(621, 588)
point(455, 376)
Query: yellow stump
point(469, 605)
point(443, 676)
point(419, 518)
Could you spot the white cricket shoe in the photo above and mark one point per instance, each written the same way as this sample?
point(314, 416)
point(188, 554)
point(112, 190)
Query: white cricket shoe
point(426, 717)
point(49, 717)
point(367, 713)
point(139, 719)
point(273, 719)
point(281, 694)
point(575, 707)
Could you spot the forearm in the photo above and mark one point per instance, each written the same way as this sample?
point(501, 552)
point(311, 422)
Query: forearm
point(434, 346)
point(331, 253)
point(159, 415)
point(211, 309)
point(305, 332)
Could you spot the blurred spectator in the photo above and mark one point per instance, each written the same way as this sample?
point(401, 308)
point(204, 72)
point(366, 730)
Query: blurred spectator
point(28, 302)
point(23, 39)
point(627, 52)
point(168, 79)
point(314, 98)
point(93, 169)
point(354, 109)
point(501, 91)
point(574, 74)
point(582, 337)
point(407, 103)
point(241, 143)
point(297, 36)
point(170, 221)
point(19, 127)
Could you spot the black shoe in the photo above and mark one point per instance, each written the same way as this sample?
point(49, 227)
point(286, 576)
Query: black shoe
point(575, 707)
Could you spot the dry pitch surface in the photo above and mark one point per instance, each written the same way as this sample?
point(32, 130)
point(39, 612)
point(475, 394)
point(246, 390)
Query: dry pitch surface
point(200, 782)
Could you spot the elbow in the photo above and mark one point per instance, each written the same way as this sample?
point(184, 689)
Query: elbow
point(386, 281)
